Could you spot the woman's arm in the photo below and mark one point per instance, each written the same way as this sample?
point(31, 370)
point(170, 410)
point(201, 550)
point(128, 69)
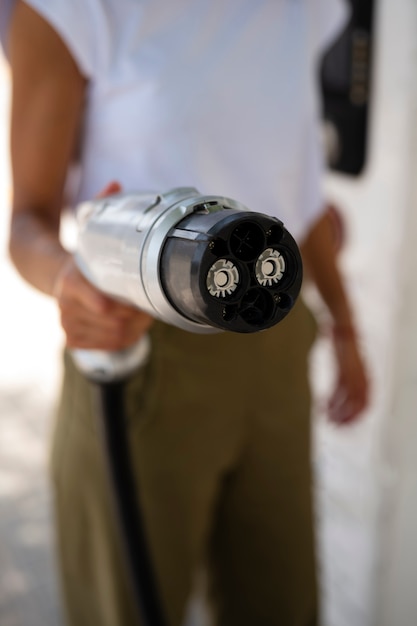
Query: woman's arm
point(47, 106)
point(48, 98)
point(352, 389)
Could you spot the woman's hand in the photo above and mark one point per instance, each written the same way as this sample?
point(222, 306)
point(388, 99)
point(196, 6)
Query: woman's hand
point(89, 318)
point(93, 321)
point(351, 394)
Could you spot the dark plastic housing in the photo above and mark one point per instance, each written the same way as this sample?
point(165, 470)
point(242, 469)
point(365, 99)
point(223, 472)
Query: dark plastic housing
point(206, 236)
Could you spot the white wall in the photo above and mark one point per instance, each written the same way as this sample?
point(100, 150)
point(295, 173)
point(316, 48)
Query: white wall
point(368, 473)
point(397, 565)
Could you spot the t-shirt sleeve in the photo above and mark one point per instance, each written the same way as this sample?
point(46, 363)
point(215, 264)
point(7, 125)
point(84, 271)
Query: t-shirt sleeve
point(330, 16)
point(310, 187)
point(73, 20)
point(5, 12)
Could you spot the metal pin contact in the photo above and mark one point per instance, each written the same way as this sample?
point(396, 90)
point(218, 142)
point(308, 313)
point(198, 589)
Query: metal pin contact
point(222, 278)
point(270, 267)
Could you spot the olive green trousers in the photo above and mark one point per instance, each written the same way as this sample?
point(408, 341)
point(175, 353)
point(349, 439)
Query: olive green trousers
point(219, 427)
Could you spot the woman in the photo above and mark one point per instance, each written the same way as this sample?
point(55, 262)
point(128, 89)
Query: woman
point(222, 97)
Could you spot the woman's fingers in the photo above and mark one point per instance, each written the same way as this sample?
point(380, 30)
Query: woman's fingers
point(102, 332)
point(110, 189)
point(345, 405)
point(91, 320)
point(351, 395)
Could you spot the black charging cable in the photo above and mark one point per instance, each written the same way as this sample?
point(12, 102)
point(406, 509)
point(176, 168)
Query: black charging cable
point(112, 414)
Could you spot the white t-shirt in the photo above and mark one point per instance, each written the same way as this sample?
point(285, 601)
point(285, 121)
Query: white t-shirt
point(221, 95)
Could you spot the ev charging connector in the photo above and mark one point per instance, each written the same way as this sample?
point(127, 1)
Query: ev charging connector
point(202, 263)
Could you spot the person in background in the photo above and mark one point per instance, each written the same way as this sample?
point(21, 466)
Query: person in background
point(221, 96)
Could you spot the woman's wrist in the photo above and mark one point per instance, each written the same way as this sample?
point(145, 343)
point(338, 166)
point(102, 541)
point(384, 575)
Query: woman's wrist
point(56, 289)
point(340, 331)
point(343, 331)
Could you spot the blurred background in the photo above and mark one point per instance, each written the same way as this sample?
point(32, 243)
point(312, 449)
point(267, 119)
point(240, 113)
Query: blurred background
point(30, 340)
point(366, 473)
